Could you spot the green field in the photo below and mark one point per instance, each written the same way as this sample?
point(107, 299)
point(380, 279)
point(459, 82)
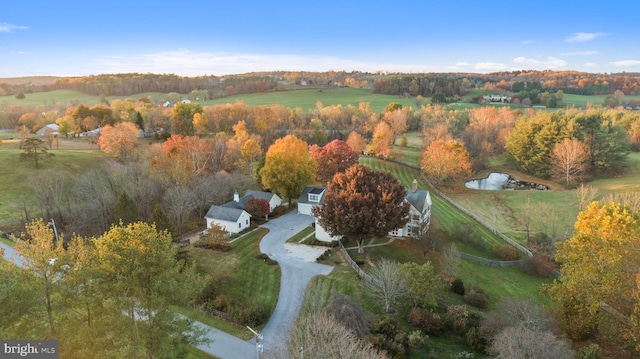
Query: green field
point(51, 98)
point(581, 101)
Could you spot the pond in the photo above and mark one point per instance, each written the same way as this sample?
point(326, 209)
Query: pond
point(502, 181)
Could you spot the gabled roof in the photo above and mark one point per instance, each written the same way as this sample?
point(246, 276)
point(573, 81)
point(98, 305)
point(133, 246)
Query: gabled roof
point(267, 196)
point(224, 213)
point(417, 198)
point(304, 196)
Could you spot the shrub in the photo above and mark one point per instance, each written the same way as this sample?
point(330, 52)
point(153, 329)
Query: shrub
point(433, 324)
point(475, 339)
point(506, 253)
point(416, 339)
point(462, 355)
point(222, 303)
point(252, 314)
point(416, 317)
point(591, 351)
point(20, 96)
point(218, 246)
point(278, 211)
point(544, 265)
point(476, 299)
point(457, 286)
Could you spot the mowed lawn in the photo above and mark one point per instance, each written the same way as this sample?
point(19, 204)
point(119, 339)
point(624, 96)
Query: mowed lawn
point(252, 279)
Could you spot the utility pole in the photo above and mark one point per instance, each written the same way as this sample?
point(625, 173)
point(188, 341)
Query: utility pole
point(55, 231)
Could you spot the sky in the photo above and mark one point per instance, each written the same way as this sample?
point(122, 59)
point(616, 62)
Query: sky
point(197, 38)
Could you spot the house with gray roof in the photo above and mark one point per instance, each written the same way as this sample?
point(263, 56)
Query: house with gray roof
point(232, 216)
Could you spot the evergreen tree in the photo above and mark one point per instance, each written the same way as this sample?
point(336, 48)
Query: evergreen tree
point(125, 211)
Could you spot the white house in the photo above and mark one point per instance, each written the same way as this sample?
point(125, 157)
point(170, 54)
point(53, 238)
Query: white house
point(419, 211)
point(310, 197)
point(233, 220)
point(232, 215)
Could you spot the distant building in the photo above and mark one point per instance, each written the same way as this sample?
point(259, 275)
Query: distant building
point(50, 128)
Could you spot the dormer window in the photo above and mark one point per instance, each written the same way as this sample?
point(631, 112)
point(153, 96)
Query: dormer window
point(314, 198)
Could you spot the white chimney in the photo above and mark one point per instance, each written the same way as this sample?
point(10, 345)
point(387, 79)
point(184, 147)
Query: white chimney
point(236, 196)
point(414, 186)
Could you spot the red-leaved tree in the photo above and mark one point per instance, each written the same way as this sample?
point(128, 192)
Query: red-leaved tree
point(258, 207)
point(363, 203)
point(335, 157)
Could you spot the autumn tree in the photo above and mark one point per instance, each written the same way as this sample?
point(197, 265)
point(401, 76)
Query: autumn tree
point(200, 124)
point(119, 140)
point(183, 117)
point(362, 203)
point(382, 140)
point(288, 167)
point(42, 252)
point(137, 274)
point(570, 161)
point(596, 264)
point(443, 161)
point(397, 121)
point(258, 207)
point(183, 158)
point(356, 142)
point(335, 157)
point(35, 151)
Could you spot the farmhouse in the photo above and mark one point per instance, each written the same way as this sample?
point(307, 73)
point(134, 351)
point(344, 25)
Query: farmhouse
point(419, 211)
point(51, 128)
point(232, 216)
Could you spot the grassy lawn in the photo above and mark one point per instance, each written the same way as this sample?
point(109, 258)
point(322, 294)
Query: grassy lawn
point(254, 281)
point(195, 353)
point(302, 234)
point(306, 99)
point(7, 242)
point(51, 98)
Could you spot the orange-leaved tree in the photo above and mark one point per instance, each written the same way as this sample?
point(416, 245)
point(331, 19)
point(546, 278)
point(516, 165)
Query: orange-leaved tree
point(363, 203)
point(445, 160)
point(119, 140)
point(288, 167)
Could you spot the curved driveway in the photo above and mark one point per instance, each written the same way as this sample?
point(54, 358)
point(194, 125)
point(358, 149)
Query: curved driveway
point(296, 270)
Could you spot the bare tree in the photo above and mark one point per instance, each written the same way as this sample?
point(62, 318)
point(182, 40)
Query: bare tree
point(388, 282)
point(517, 312)
point(631, 199)
point(585, 194)
point(450, 262)
point(319, 336)
point(522, 342)
point(180, 204)
point(570, 161)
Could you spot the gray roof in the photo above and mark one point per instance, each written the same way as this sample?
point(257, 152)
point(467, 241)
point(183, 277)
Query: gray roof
point(417, 198)
point(224, 213)
point(304, 196)
point(267, 196)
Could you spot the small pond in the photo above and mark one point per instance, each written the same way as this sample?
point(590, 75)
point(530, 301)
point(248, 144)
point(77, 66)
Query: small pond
point(502, 181)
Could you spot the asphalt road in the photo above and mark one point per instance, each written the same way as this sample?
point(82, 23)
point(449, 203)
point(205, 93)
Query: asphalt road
point(297, 271)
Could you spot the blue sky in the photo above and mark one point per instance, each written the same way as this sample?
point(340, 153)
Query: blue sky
point(191, 38)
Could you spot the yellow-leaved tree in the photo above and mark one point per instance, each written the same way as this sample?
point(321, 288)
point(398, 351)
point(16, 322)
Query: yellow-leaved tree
point(598, 267)
point(288, 167)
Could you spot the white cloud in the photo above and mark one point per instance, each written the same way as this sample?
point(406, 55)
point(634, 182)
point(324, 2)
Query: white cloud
point(549, 63)
point(6, 27)
point(626, 63)
point(579, 53)
point(590, 64)
point(526, 42)
point(583, 36)
point(189, 63)
point(462, 64)
point(18, 53)
point(490, 66)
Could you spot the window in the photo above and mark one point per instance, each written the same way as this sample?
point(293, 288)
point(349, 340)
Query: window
point(415, 218)
point(247, 222)
point(314, 198)
point(239, 225)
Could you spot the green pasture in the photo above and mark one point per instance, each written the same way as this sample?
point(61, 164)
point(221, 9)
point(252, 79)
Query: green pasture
point(254, 280)
point(306, 99)
point(581, 101)
point(50, 98)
